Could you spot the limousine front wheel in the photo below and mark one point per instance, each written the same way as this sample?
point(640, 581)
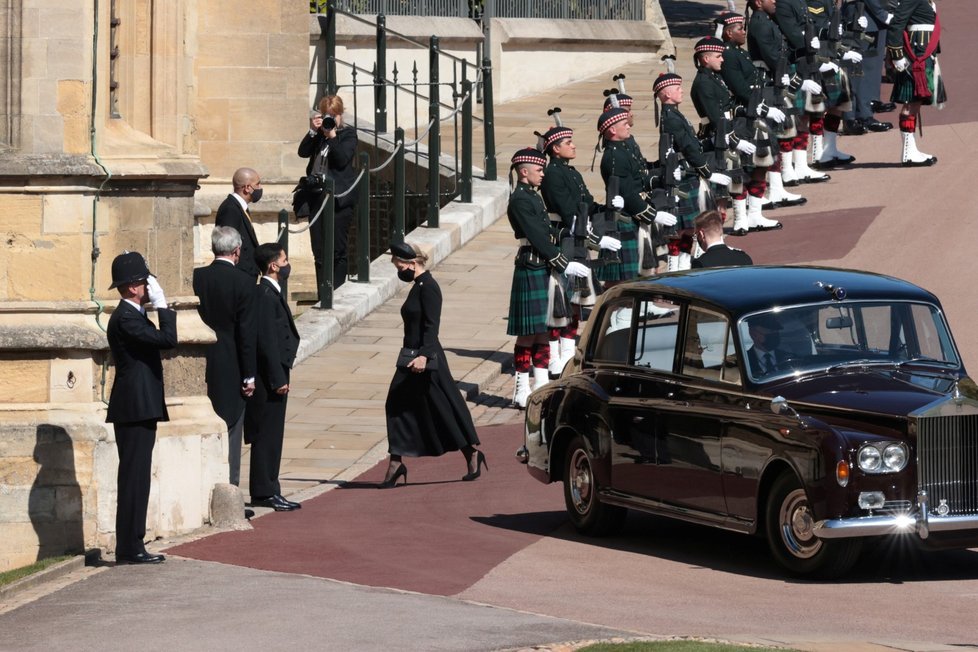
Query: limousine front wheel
point(588, 514)
point(789, 526)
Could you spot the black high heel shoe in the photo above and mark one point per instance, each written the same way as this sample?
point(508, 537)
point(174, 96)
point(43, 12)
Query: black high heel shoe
point(480, 461)
point(391, 482)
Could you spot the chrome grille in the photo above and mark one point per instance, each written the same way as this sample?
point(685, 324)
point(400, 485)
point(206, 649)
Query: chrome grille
point(947, 462)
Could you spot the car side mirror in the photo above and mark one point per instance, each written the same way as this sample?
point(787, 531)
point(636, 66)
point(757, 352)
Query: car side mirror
point(779, 405)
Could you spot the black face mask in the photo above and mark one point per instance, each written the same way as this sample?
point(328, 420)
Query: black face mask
point(283, 273)
point(406, 275)
point(255, 195)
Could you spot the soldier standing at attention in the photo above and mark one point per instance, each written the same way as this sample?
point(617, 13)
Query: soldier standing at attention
point(668, 90)
point(621, 160)
point(913, 42)
point(715, 105)
point(537, 258)
point(564, 191)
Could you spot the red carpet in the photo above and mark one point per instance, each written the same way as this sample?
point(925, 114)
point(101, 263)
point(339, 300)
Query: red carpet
point(437, 535)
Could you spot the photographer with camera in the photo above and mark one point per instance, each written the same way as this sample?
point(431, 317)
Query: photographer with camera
point(331, 148)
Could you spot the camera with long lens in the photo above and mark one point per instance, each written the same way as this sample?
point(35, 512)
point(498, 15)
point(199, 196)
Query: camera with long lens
point(329, 122)
point(315, 182)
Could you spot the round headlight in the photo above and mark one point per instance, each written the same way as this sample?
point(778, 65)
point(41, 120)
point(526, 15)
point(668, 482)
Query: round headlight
point(869, 459)
point(895, 457)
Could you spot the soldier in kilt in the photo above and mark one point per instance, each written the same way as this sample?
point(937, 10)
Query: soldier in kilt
point(673, 124)
point(531, 301)
point(767, 50)
point(913, 42)
point(716, 105)
point(564, 192)
point(623, 162)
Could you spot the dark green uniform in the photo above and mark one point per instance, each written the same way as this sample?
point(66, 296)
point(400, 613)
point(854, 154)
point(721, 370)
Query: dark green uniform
point(765, 42)
point(623, 160)
point(563, 190)
point(688, 146)
point(791, 16)
point(914, 12)
point(740, 74)
point(537, 256)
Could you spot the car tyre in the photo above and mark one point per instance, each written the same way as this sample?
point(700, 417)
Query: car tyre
point(789, 526)
point(588, 514)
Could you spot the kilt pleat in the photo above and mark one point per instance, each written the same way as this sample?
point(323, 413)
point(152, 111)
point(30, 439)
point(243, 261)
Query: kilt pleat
point(628, 267)
point(528, 301)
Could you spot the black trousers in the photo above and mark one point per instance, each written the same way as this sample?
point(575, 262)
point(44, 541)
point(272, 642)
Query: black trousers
point(265, 430)
point(343, 218)
point(235, 433)
point(135, 442)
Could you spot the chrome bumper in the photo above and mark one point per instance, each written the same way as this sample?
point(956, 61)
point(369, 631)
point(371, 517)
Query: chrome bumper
point(919, 522)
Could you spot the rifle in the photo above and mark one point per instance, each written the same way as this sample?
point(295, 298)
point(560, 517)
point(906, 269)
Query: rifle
point(809, 64)
point(574, 247)
point(855, 37)
point(720, 163)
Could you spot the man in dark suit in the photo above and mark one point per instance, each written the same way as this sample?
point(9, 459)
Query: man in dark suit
point(765, 355)
point(708, 229)
point(136, 403)
point(278, 342)
point(227, 305)
point(233, 212)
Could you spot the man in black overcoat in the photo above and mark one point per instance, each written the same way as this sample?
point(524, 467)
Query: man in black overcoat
point(708, 230)
point(227, 306)
point(278, 342)
point(233, 212)
point(137, 401)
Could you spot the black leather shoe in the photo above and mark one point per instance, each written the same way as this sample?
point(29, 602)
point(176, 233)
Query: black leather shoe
point(276, 502)
point(294, 504)
point(882, 107)
point(853, 128)
point(876, 125)
point(140, 558)
point(249, 513)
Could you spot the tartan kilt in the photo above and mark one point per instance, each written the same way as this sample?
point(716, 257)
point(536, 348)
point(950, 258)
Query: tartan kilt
point(628, 267)
point(692, 204)
point(903, 87)
point(840, 96)
point(528, 301)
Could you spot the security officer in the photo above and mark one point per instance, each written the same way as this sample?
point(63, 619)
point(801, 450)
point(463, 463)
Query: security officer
point(530, 302)
point(137, 401)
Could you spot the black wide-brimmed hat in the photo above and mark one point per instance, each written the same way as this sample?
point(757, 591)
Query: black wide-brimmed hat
point(404, 251)
point(128, 267)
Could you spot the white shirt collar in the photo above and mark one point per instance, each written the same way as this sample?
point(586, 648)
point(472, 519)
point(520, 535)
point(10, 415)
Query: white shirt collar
point(241, 200)
point(274, 283)
point(224, 260)
point(135, 305)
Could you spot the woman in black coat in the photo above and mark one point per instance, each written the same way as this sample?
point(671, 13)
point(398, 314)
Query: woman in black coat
point(331, 147)
point(426, 415)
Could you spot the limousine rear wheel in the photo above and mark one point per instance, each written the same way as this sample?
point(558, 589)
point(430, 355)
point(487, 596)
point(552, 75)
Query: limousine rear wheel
point(588, 514)
point(791, 535)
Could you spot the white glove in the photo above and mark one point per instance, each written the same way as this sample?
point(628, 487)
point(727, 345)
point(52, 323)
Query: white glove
point(776, 114)
point(156, 296)
point(889, 18)
point(746, 147)
point(576, 269)
point(816, 44)
point(811, 87)
point(828, 66)
point(785, 80)
point(901, 64)
point(863, 22)
point(720, 179)
point(609, 243)
point(663, 218)
point(677, 174)
point(853, 56)
point(618, 202)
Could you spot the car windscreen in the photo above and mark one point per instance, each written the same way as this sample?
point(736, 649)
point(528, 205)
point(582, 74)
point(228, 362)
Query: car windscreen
point(839, 334)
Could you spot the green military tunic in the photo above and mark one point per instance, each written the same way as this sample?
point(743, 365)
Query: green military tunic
point(914, 12)
point(623, 159)
point(740, 74)
point(563, 191)
point(791, 17)
point(765, 42)
point(528, 300)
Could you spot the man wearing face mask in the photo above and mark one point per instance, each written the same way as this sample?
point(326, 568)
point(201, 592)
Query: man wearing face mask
point(233, 212)
point(278, 342)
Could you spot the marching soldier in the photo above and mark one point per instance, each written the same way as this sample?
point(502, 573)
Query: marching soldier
point(912, 44)
point(673, 124)
point(623, 161)
point(564, 192)
point(531, 297)
point(717, 110)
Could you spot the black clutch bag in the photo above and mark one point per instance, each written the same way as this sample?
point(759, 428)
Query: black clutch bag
point(406, 355)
